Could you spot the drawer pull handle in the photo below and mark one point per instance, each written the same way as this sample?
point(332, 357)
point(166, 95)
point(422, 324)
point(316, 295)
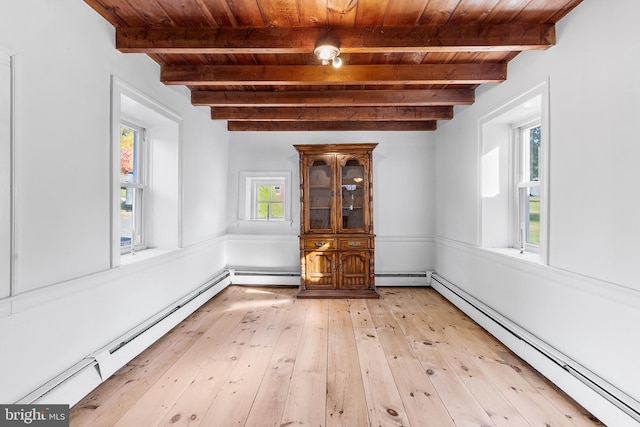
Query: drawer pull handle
point(354, 243)
point(320, 243)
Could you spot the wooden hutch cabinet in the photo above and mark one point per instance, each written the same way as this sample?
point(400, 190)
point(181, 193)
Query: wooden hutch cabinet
point(336, 221)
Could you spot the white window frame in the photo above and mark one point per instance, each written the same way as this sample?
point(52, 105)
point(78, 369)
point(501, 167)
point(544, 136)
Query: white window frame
point(248, 197)
point(140, 193)
point(497, 174)
point(162, 221)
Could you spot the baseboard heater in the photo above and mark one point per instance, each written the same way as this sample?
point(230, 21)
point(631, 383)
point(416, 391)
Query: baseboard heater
point(415, 278)
point(74, 383)
point(265, 277)
point(170, 311)
point(613, 395)
point(292, 278)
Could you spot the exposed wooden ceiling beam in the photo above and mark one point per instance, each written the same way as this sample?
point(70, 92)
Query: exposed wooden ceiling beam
point(331, 113)
point(275, 126)
point(277, 40)
point(329, 98)
point(202, 75)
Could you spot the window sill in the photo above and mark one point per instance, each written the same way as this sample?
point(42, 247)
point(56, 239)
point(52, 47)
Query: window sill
point(126, 259)
point(515, 253)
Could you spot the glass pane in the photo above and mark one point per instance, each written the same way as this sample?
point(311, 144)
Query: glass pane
point(319, 199)
point(352, 197)
point(534, 153)
point(126, 216)
point(533, 231)
point(130, 216)
point(277, 210)
point(532, 201)
point(277, 193)
point(264, 193)
point(319, 174)
point(263, 210)
point(128, 154)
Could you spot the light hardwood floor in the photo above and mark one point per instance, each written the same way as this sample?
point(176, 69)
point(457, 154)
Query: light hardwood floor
point(257, 356)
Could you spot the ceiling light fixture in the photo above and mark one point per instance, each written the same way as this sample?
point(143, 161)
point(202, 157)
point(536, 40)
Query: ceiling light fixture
point(328, 54)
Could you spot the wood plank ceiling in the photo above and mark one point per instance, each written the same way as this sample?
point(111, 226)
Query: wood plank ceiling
point(407, 63)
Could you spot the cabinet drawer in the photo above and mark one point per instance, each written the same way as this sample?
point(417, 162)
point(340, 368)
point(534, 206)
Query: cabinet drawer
point(319, 244)
point(354, 243)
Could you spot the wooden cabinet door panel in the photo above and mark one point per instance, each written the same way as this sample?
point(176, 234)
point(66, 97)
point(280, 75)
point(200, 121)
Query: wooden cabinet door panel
point(320, 270)
point(354, 270)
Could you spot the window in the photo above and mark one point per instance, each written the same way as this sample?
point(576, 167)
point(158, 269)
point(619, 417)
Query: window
point(513, 158)
point(145, 182)
point(265, 196)
point(527, 167)
point(132, 187)
point(269, 199)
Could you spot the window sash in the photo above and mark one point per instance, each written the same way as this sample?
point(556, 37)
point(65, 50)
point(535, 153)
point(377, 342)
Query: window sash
point(270, 203)
point(527, 190)
point(132, 235)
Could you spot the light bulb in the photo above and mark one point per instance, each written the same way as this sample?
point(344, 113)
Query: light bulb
point(324, 54)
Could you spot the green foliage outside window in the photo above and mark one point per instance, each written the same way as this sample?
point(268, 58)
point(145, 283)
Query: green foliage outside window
point(270, 202)
point(534, 147)
point(533, 235)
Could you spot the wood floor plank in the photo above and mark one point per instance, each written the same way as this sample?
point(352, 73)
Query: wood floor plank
point(119, 393)
point(383, 399)
point(191, 407)
point(268, 404)
point(460, 402)
point(419, 396)
point(359, 311)
point(227, 336)
point(509, 379)
point(234, 400)
point(476, 380)
point(257, 356)
point(306, 400)
point(467, 338)
point(346, 403)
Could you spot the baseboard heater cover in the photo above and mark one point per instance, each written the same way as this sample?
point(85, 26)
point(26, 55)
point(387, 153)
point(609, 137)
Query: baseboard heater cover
point(264, 277)
point(292, 278)
point(74, 383)
point(168, 312)
point(610, 393)
point(266, 273)
point(414, 278)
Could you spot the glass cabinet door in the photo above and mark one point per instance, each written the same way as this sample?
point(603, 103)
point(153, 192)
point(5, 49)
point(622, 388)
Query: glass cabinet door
point(352, 197)
point(319, 195)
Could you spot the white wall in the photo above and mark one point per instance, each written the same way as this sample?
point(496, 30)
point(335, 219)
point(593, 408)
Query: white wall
point(403, 167)
point(586, 302)
point(67, 301)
